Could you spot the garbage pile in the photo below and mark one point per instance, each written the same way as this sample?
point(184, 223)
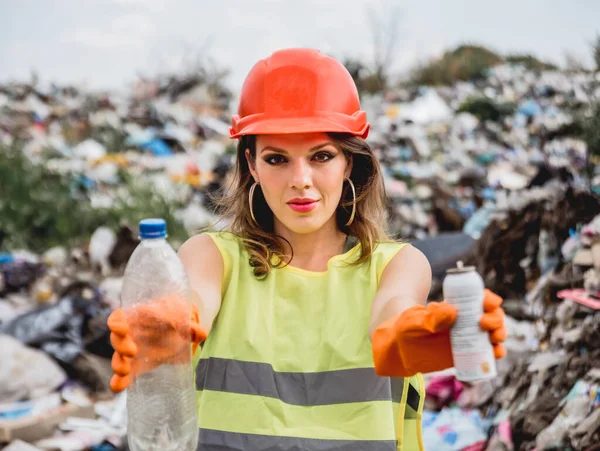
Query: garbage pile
point(448, 152)
point(54, 341)
point(494, 174)
point(172, 137)
point(547, 394)
point(171, 134)
point(491, 173)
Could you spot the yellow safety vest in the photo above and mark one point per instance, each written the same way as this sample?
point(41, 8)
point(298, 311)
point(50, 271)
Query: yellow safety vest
point(288, 364)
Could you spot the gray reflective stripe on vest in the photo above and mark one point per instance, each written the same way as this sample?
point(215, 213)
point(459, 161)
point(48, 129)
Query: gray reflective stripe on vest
point(211, 440)
point(397, 387)
point(301, 389)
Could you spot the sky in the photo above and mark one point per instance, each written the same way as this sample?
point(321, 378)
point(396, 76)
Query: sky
point(106, 43)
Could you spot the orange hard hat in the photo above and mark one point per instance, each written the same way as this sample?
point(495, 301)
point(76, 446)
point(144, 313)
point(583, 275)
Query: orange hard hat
point(299, 91)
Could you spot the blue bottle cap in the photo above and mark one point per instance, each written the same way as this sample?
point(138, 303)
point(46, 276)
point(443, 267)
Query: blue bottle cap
point(152, 228)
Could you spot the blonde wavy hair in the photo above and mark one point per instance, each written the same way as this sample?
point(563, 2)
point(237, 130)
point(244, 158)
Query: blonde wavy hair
point(369, 224)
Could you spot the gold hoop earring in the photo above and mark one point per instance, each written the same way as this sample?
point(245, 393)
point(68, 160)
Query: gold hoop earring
point(251, 199)
point(353, 203)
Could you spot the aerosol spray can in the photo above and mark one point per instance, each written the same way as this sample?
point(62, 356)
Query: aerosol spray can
point(471, 348)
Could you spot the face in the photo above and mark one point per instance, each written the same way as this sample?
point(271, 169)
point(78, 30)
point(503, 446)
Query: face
point(301, 177)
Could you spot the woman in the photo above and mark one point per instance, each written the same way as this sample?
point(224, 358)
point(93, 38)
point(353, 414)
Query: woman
point(313, 316)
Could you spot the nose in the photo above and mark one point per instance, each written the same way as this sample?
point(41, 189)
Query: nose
point(301, 177)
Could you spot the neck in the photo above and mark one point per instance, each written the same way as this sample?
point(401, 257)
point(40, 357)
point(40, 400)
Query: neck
point(312, 251)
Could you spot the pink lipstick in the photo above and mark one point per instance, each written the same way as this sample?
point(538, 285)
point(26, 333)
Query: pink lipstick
point(302, 204)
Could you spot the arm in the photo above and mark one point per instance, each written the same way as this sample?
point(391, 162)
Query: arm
point(408, 335)
point(204, 266)
point(405, 282)
point(160, 322)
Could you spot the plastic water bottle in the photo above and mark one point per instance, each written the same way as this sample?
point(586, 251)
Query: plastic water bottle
point(161, 402)
point(472, 351)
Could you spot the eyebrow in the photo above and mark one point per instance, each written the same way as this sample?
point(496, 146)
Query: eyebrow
point(312, 149)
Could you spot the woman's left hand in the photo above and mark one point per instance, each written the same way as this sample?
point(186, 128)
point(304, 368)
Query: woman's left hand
point(492, 321)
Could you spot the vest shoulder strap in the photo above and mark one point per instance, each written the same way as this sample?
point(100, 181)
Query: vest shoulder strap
point(409, 429)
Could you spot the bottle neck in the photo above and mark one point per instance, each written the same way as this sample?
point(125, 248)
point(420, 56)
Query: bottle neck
point(153, 242)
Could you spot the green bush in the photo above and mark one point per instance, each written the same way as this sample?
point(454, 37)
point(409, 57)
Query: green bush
point(591, 135)
point(466, 62)
point(40, 208)
point(596, 52)
point(142, 201)
point(530, 62)
point(486, 109)
point(112, 139)
point(469, 63)
point(367, 81)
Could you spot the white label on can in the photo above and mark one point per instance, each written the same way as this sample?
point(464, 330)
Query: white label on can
point(472, 351)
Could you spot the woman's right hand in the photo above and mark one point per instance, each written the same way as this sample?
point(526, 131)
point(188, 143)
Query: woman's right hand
point(148, 335)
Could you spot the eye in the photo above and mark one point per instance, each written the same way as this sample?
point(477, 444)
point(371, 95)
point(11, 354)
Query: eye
point(275, 159)
point(321, 157)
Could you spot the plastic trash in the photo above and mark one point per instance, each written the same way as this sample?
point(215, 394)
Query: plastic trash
point(111, 289)
point(42, 290)
point(529, 108)
point(575, 409)
point(477, 223)
point(20, 274)
point(26, 373)
point(105, 172)
point(158, 147)
point(6, 258)
point(546, 360)
point(161, 402)
point(101, 245)
point(56, 256)
point(7, 311)
point(65, 329)
point(453, 429)
point(194, 217)
point(20, 445)
point(89, 150)
point(443, 391)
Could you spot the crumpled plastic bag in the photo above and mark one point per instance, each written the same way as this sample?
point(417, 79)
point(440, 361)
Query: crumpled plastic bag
point(19, 275)
point(65, 329)
point(443, 391)
point(20, 445)
point(453, 430)
point(55, 329)
point(26, 373)
point(576, 407)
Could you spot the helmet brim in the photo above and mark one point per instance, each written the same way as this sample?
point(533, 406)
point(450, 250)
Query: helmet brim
point(285, 126)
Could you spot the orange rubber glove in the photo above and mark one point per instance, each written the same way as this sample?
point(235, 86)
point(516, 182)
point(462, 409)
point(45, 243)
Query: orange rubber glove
point(148, 335)
point(418, 340)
